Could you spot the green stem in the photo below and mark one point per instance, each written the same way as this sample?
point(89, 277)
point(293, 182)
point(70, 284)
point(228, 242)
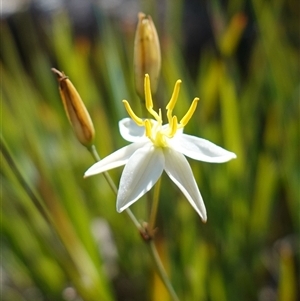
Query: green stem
point(154, 254)
point(93, 151)
point(154, 207)
point(161, 271)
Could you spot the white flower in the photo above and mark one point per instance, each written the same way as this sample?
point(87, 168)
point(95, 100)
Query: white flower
point(156, 147)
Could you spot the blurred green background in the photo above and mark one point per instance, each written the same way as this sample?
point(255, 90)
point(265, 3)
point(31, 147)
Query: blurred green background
point(61, 237)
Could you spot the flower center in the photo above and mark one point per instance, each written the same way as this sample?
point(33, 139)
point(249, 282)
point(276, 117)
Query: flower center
point(154, 130)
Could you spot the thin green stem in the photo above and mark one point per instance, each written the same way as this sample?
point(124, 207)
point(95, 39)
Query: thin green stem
point(93, 151)
point(161, 271)
point(154, 206)
point(154, 254)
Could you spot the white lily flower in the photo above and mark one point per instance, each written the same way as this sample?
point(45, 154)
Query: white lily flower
point(156, 147)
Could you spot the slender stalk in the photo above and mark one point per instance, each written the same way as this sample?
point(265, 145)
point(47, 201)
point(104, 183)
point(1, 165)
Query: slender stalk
point(154, 207)
point(154, 254)
point(92, 149)
point(161, 271)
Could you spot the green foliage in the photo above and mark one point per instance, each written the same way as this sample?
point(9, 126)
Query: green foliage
point(249, 246)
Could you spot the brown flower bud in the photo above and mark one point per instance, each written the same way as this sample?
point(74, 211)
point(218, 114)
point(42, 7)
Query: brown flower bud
point(75, 109)
point(147, 56)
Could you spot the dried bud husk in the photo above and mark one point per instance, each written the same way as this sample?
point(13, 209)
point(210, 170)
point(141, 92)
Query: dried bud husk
point(75, 109)
point(147, 56)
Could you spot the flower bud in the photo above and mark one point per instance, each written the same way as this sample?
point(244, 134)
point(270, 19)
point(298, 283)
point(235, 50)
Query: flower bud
point(147, 57)
point(75, 109)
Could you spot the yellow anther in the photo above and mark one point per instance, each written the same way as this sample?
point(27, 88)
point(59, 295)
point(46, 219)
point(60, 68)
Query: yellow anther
point(173, 100)
point(186, 118)
point(148, 96)
point(137, 120)
point(148, 128)
point(170, 106)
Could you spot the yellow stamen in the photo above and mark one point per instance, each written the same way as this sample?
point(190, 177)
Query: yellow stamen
point(170, 106)
point(172, 127)
point(137, 120)
point(154, 130)
point(172, 102)
point(148, 97)
point(148, 128)
point(186, 118)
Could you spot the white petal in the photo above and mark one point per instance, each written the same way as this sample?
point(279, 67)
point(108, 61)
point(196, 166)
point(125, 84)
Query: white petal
point(178, 132)
point(130, 131)
point(139, 175)
point(200, 149)
point(116, 159)
point(180, 172)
